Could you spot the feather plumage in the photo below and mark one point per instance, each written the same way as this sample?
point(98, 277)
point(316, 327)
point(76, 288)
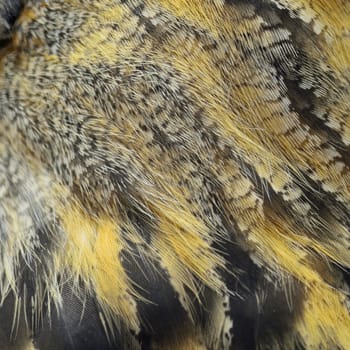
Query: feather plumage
point(174, 174)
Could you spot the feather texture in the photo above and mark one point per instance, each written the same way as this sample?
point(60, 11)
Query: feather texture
point(174, 174)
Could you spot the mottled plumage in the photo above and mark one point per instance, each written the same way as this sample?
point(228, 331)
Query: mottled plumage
point(174, 174)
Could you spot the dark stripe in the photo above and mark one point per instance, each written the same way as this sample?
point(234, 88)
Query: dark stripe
point(163, 318)
point(77, 326)
point(9, 12)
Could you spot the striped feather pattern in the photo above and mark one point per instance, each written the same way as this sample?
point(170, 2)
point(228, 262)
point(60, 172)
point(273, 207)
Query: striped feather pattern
point(175, 174)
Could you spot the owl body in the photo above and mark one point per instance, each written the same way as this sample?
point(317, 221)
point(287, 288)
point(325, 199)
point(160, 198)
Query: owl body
point(174, 174)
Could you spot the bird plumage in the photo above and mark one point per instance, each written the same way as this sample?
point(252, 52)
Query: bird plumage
point(174, 174)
